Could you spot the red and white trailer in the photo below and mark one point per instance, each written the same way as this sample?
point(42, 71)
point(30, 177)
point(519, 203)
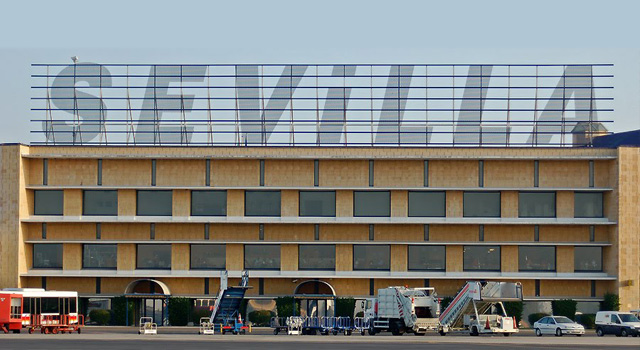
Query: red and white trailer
point(10, 312)
point(49, 311)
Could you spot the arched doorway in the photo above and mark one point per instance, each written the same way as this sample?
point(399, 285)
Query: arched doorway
point(150, 299)
point(316, 298)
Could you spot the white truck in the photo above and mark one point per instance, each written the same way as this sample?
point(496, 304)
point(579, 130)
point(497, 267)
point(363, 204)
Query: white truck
point(402, 310)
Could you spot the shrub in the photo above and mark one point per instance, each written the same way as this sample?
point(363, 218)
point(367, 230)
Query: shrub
point(444, 303)
point(261, 318)
point(179, 311)
point(534, 317)
point(587, 320)
point(100, 316)
point(345, 307)
point(198, 313)
point(119, 306)
point(285, 306)
point(611, 302)
point(564, 307)
point(514, 308)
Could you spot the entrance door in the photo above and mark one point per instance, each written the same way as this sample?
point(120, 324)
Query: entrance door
point(153, 308)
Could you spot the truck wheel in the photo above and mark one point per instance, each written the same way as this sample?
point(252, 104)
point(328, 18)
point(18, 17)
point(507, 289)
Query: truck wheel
point(16, 331)
point(416, 333)
point(442, 333)
point(474, 331)
point(31, 330)
point(506, 334)
point(599, 332)
point(371, 331)
point(624, 333)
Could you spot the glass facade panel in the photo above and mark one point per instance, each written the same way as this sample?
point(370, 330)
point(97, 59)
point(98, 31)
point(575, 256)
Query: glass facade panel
point(154, 203)
point(99, 256)
point(154, 256)
point(48, 202)
point(481, 204)
point(481, 258)
point(537, 204)
point(371, 203)
point(427, 204)
point(262, 256)
point(47, 256)
point(316, 257)
point(208, 203)
point(426, 257)
point(262, 203)
point(532, 258)
point(208, 257)
point(371, 257)
point(317, 203)
point(587, 259)
point(99, 202)
point(588, 205)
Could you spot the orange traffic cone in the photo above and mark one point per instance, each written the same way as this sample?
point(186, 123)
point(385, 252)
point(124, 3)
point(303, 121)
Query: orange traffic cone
point(487, 325)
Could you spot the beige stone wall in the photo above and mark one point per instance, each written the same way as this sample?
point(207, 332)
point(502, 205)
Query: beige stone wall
point(178, 173)
point(288, 173)
point(505, 173)
point(343, 173)
point(398, 173)
point(566, 173)
point(134, 172)
point(85, 172)
point(458, 173)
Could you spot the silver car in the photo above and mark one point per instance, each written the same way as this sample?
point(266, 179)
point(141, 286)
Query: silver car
point(558, 325)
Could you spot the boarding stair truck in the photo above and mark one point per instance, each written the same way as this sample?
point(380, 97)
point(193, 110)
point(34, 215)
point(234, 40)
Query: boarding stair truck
point(471, 307)
point(402, 310)
point(225, 315)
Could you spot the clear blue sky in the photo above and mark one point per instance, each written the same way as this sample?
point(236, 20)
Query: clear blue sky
point(316, 32)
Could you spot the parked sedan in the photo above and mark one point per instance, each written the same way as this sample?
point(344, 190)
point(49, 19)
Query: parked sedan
point(558, 325)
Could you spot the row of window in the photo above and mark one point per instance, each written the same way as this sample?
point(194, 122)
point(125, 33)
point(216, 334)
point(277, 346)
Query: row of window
point(321, 203)
point(321, 257)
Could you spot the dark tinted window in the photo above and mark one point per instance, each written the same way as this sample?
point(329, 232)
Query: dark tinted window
point(154, 256)
point(532, 258)
point(481, 204)
point(99, 256)
point(481, 258)
point(47, 256)
point(317, 203)
point(371, 203)
point(587, 259)
point(426, 257)
point(431, 204)
point(98, 202)
point(371, 257)
point(316, 257)
point(48, 202)
point(588, 205)
point(154, 203)
point(262, 256)
point(537, 204)
point(208, 203)
point(208, 256)
point(262, 203)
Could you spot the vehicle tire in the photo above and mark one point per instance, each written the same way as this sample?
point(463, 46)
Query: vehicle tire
point(362, 332)
point(558, 332)
point(538, 332)
point(371, 331)
point(334, 332)
point(16, 331)
point(416, 333)
point(276, 331)
point(506, 334)
point(395, 332)
point(31, 330)
point(442, 333)
point(235, 332)
point(599, 332)
point(46, 330)
point(624, 333)
point(139, 332)
point(578, 335)
point(54, 330)
point(474, 331)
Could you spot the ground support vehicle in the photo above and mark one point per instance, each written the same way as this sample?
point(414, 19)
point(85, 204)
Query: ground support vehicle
point(147, 326)
point(226, 310)
point(49, 311)
point(622, 324)
point(206, 327)
point(10, 312)
point(279, 324)
point(471, 309)
point(402, 310)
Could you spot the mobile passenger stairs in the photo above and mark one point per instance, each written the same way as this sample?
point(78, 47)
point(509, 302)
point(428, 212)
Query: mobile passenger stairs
point(471, 307)
point(225, 316)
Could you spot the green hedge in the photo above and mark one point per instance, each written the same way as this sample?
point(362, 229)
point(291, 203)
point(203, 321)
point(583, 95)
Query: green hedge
point(587, 320)
point(564, 307)
point(514, 308)
point(180, 310)
point(119, 307)
point(534, 317)
point(261, 318)
point(100, 316)
point(345, 307)
point(285, 306)
point(444, 303)
point(611, 302)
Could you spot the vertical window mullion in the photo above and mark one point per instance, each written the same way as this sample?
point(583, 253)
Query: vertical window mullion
point(426, 232)
point(207, 171)
point(316, 173)
point(481, 173)
point(261, 172)
point(371, 173)
point(99, 180)
point(536, 173)
point(45, 171)
point(153, 172)
point(592, 180)
point(426, 173)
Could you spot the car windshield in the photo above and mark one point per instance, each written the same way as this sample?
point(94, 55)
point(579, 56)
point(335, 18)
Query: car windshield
point(562, 320)
point(628, 318)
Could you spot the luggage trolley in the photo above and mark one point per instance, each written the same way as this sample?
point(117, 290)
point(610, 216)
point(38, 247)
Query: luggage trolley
point(147, 326)
point(206, 327)
point(279, 324)
point(343, 325)
point(360, 324)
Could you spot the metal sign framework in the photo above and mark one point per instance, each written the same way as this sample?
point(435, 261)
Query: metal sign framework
point(318, 105)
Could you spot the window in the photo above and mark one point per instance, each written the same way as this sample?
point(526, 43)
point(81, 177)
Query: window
point(587, 259)
point(537, 204)
point(98, 202)
point(208, 257)
point(262, 203)
point(262, 256)
point(47, 256)
point(371, 257)
point(428, 204)
point(426, 257)
point(317, 203)
point(154, 256)
point(154, 203)
point(316, 257)
point(481, 204)
point(99, 256)
point(481, 258)
point(532, 258)
point(371, 203)
point(48, 202)
point(208, 203)
point(588, 205)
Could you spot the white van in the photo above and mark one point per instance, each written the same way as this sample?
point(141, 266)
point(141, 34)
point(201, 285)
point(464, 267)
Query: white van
point(619, 323)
